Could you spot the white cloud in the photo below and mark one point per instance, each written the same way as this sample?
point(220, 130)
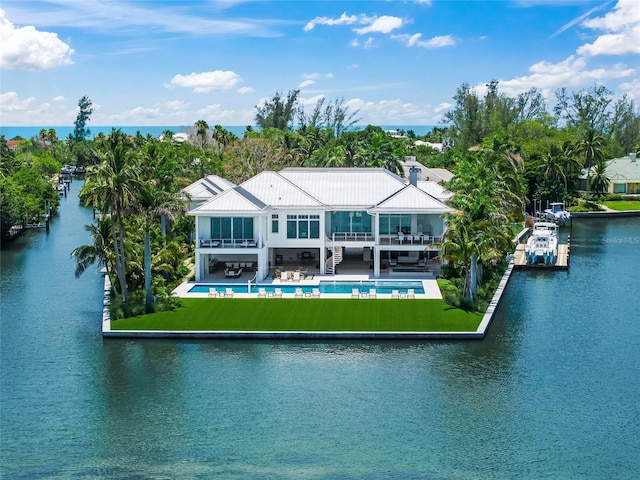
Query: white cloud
point(632, 88)
point(137, 115)
point(415, 41)
point(329, 75)
point(443, 106)
point(571, 73)
point(205, 82)
point(368, 43)
point(25, 48)
point(385, 112)
point(424, 2)
point(244, 90)
point(10, 102)
point(209, 109)
point(306, 83)
point(622, 25)
point(310, 76)
point(176, 104)
point(383, 24)
point(344, 19)
point(59, 98)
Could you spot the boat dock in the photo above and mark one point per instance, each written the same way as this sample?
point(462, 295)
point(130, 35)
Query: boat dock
point(562, 262)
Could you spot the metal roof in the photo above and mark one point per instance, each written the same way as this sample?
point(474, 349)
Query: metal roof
point(411, 199)
point(345, 187)
point(435, 190)
point(277, 191)
point(233, 201)
point(207, 187)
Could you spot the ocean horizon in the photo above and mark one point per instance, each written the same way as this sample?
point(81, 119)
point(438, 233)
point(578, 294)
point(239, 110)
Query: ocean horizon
point(63, 132)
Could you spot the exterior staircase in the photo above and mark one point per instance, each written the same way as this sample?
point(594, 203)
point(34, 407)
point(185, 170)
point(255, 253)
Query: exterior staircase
point(333, 261)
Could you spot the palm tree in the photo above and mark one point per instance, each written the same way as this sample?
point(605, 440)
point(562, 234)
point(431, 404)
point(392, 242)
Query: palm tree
point(202, 130)
point(113, 187)
point(600, 181)
point(100, 251)
point(591, 147)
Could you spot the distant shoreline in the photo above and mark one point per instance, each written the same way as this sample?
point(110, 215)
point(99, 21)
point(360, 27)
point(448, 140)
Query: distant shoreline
point(63, 131)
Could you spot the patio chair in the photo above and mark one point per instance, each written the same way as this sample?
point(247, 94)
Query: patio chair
point(373, 293)
point(213, 292)
point(284, 276)
point(411, 293)
point(277, 293)
point(296, 276)
point(315, 293)
point(355, 293)
point(299, 293)
point(395, 294)
point(262, 293)
point(229, 292)
point(238, 273)
point(229, 272)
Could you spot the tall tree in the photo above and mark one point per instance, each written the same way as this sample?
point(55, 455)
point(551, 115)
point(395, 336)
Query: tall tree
point(80, 132)
point(278, 112)
point(202, 132)
point(591, 148)
point(586, 109)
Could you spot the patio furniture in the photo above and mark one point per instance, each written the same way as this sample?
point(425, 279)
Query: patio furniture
point(355, 293)
point(296, 276)
point(262, 293)
point(229, 272)
point(395, 294)
point(298, 293)
point(278, 293)
point(411, 293)
point(315, 293)
point(284, 276)
point(205, 243)
point(213, 292)
point(229, 292)
point(373, 293)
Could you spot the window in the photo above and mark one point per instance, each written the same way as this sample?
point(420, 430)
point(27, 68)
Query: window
point(351, 222)
point(303, 226)
point(228, 228)
point(394, 224)
point(274, 223)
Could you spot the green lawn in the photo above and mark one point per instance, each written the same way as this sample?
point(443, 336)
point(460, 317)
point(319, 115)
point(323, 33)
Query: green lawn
point(622, 205)
point(283, 314)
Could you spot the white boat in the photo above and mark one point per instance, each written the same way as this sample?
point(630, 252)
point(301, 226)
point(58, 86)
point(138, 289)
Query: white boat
point(557, 212)
point(542, 245)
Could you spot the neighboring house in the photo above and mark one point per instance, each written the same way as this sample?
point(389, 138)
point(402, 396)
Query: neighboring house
point(623, 174)
point(310, 215)
point(437, 175)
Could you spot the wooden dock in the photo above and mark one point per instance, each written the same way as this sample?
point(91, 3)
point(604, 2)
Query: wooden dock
point(562, 262)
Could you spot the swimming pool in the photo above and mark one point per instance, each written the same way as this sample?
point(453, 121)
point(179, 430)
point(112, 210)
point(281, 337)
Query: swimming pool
point(325, 286)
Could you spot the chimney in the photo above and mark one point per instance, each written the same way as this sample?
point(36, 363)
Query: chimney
point(632, 156)
point(413, 176)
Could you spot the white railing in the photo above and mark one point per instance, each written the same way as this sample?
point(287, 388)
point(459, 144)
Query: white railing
point(228, 243)
point(352, 237)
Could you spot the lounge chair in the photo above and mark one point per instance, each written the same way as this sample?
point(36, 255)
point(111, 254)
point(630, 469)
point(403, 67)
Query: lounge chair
point(238, 273)
point(229, 272)
point(373, 293)
point(395, 294)
point(213, 292)
point(277, 293)
point(284, 276)
point(411, 293)
point(315, 293)
point(296, 276)
point(229, 292)
point(262, 292)
point(299, 293)
point(355, 293)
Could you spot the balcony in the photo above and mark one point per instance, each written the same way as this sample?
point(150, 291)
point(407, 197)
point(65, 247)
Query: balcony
point(352, 237)
point(228, 243)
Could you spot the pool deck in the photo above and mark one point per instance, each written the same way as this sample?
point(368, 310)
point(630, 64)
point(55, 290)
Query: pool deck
point(430, 286)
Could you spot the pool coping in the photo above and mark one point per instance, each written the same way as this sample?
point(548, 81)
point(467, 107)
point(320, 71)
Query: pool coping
point(478, 334)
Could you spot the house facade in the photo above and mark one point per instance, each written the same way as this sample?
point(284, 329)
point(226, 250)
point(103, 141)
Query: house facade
point(312, 216)
point(623, 174)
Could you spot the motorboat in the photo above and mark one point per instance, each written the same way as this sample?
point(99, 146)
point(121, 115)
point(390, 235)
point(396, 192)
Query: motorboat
point(557, 213)
point(542, 245)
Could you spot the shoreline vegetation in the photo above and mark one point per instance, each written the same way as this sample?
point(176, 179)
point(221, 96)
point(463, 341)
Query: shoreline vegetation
point(506, 153)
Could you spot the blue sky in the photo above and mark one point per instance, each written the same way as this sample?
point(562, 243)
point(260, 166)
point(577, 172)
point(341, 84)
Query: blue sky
point(174, 62)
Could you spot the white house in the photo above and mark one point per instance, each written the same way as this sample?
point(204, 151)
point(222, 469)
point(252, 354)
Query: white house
point(309, 216)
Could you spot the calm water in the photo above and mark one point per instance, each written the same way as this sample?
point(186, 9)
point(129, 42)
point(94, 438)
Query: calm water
point(553, 392)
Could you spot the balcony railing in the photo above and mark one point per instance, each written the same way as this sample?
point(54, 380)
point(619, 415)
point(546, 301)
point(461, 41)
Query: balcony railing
point(352, 237)
point(409, 239)
point(228, 243)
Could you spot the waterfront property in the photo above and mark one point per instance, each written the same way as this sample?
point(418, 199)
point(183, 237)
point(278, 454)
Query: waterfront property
point(316, 221)
point(623, 174)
